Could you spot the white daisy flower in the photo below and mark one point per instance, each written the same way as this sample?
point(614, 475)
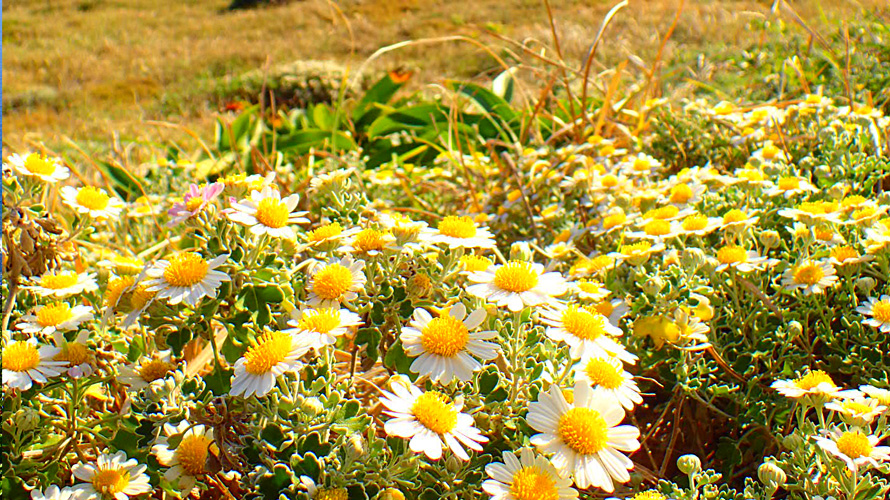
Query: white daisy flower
point(368, 242)
point(186, 277)
point(444, 348)
point(75, 354)
point(271, 354)
point(110, 476)
point(683, 193)
point(92, 201)
point(460, 232)
point(790, 186)
point(636, 253)
point(770, 154)
point(737, 220)
point(186, 460)
point(878, 311)
point(317, 328)
point(845, 255)
point(53, 493)
point(882, 396)
point(430, 421)
point(25, 362)
point(736, 257)
point(122, 264)
point(147, 370)
point(608, 375)
point(657, 230)
point(699, 224)
point(811, 276)
point(614, 220)
point(590, 289)
point(584, 438)
point(815, 384)
point(42, 167)
point(57, 316)
point(858, 411)
point(586, 332)
point(812, 212)
point(531, 477)
point(325, 234)
point(854, 448)
point(517, 284)
point(336, 282)
point(63, 283)
point(265, 212)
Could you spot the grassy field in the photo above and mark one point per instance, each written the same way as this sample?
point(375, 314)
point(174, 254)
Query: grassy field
point(86, 69)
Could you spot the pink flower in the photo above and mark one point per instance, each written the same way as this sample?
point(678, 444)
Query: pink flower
point(194, 202)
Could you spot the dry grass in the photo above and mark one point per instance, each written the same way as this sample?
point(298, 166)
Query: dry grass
point(87, 68)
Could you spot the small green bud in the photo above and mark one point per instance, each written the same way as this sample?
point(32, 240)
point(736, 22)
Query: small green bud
point(652, 285)
point(771, 475)
point(795, 329)
point(838, 190)
point(689, 464)
point(312, 406)
point(770, 239)
point(692, 258)
point(865, 285)
point(520, 250)
point(26, 419)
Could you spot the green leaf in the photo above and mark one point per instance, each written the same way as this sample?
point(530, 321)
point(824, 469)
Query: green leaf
point(302, 141)
point(124, 183)
point(367, 109)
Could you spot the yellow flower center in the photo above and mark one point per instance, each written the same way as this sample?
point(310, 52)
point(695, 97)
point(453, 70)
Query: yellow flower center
point(695, 222)
point(21, 357)
point(332, 282)
point(186, 269)
point(474, 263)
point(641, 165)
point(434, 412)
point(115, 288)
point(769, 151)
point(853, 201)
point(194, 203)
point(155, 369)
point(192, 453)
point(516, 277)
point(649, 495)
point(74, 353)
point(369, 240)
point(53, 314)
point(863, 213)
point(750, 175)
point(657, 228)
point(789, 183)
point(445, 336)
point(332, 494)
point(641, 248)
point(854, 444)
point(271, 348)
point(881, 311)
point(92, 198)
point(609, 181)
point(110, 481)
point(809, 381)
point(531, 483)
point(324, 232)
point(734, 216)
point(58, 281)
point(592, 287)
point(272, 213)
point(583, 430)
point(810, 273)
point(823, 233)
point(613, 220)
point(140, 297)
point(602, 373)
point(457, 227)
point(583, 323)
point(681, 193)
point(514, 195)
point(845, 253)
point(856, 407)
point(323, 321)
point(732, 254)
point(663, 213)
point(39, 165)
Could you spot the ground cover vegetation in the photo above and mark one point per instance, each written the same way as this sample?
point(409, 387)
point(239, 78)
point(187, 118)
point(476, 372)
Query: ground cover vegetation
point(640, 278)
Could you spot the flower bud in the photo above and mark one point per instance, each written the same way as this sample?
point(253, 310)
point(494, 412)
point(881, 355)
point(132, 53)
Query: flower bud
point(692, 258)
point(420, 285)
point(771, 475)
point(452, 464)
point(520, 250)
point(823, 171)
point(795, 329)
point(356, 446)
point(865, 285)
point(792, 442)
point(689, 464)
point(671, 258)
point(770, 239)
point(312, 406)
point(838, 190)
point(26, 419)
point(652, 285)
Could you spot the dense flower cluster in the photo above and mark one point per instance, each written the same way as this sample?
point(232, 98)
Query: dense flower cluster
point(315, 331)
